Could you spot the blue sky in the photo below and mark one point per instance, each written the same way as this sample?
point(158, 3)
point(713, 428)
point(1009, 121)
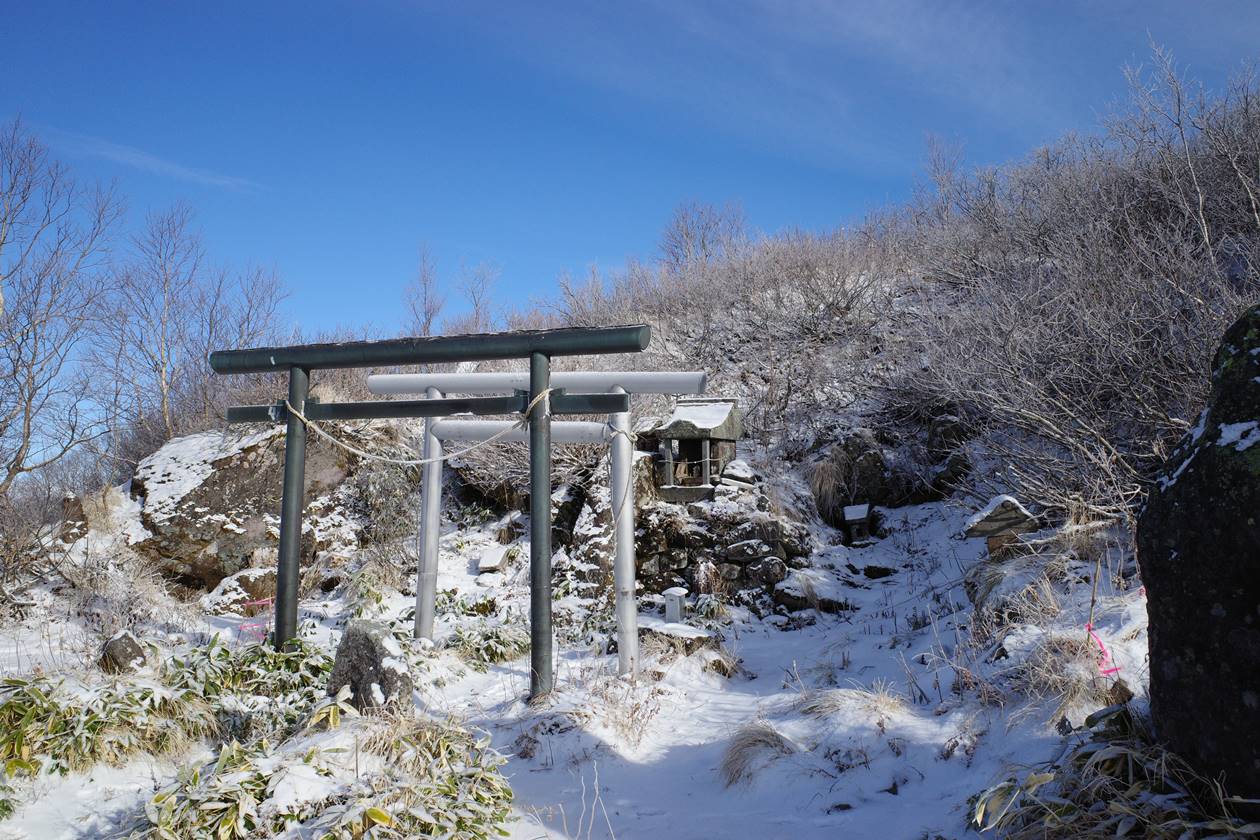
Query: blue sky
point(331, 140)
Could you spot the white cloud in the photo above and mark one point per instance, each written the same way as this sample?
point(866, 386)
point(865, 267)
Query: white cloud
point(130, 156)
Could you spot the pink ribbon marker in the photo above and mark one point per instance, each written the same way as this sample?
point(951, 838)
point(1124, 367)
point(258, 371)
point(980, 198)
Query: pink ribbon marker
point(1106, 654)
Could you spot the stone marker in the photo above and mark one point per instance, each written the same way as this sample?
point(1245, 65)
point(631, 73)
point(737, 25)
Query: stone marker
point(675, 601)
point(1198, 543)
point(371, 661)
point(123, 653)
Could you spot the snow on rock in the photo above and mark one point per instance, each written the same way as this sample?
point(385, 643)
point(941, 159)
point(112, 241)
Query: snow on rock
point(207, 504)
point(243, 593)
point(367, 660)
point(1003, 514)
point(164, 478)
point(1241, 436)
point(812, 588)
point(739, 470)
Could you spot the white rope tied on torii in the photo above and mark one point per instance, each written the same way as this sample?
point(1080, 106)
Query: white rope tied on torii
point(418, 462)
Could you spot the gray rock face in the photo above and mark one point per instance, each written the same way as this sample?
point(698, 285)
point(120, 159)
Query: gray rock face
point(122, 654)
point(211, 503)
point(370, 661)
point(768, 571)
point(1199, 552)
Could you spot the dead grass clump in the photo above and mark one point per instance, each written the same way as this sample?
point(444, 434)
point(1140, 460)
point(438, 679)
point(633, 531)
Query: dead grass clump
point(1115, 782)
point(1014, 592)
point(881, 701)
point(752, 747)
point(1060, 668)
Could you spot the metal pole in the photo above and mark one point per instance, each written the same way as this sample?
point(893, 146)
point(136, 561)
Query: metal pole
point(706, 470)
point(430, 527)
point(622, 498)
point(292, 503)
point(541, 677)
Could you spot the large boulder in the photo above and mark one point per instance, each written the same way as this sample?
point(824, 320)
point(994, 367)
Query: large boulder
point(210, 504)
point(372, 662)
point(1199, 550)
point(74, 523)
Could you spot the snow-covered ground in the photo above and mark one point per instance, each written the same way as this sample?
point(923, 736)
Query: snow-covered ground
point(879, 732)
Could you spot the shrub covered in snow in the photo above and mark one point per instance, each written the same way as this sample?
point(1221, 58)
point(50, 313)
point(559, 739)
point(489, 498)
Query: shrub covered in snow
point(381, 777)
point(482, 644)
point(55, 727)
point(255, 690)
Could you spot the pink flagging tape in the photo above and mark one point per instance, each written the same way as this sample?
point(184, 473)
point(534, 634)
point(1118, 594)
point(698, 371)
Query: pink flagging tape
point(254, 629)
point(257, 603)
point(1106, 654)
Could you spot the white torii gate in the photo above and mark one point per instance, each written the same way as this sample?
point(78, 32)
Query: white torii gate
point(616, 432)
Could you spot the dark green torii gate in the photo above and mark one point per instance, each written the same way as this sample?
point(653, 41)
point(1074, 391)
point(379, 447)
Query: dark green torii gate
point(536, 345)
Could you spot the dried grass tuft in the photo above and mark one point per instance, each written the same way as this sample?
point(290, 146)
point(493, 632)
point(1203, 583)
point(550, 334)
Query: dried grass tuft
point(752, 747)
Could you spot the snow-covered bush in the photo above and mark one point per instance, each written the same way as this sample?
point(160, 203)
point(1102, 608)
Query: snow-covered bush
point(255, 690)
point(383, 777)
point(451, 602)
point(1072, 301)
point(55, 727)
point(482, 644)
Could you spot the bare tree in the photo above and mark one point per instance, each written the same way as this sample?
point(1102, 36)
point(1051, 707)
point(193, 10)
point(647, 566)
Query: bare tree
point(476, 285)
point(167, 310)
point(423, 297)
point(700, 233)
point(53, 236)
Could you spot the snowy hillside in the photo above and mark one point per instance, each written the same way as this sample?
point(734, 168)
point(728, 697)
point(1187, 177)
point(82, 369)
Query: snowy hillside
point(927, 673)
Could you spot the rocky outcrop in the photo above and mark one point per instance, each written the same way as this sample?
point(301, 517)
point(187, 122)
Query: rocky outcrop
point(1199, 551)
point(372, 662)
point(862, 469)
point(729, 542)
point(210, 504)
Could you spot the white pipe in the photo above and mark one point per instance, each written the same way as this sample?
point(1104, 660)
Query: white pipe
point(622, 497)
point(576, 382)
point(430, 527)
point(476, 431)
